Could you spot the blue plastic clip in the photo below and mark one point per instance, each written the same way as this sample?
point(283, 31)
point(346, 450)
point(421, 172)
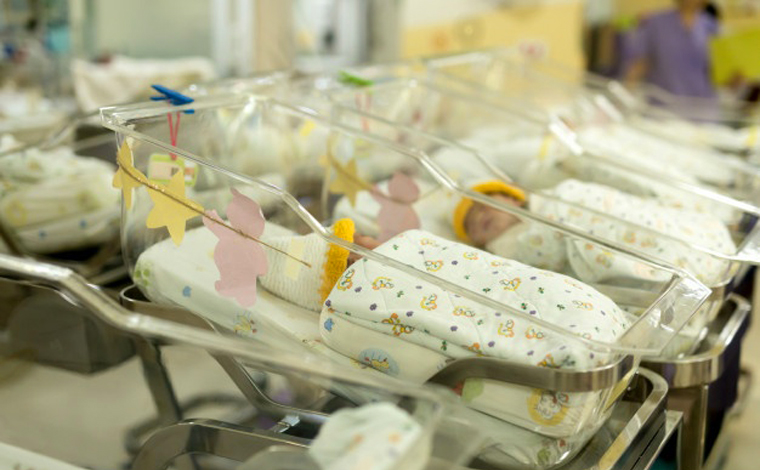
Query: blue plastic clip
point(174, 97)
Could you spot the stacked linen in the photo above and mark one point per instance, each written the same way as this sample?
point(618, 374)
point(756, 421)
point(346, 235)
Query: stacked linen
point(411, 328)
point(56, 200)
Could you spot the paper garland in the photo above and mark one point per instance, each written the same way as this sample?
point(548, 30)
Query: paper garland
point(347, 180)
point(396, 208)
point(238, 255)
point(171, 209)
point(121, 180)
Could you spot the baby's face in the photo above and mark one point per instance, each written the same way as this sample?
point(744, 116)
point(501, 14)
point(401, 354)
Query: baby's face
point(484, 223)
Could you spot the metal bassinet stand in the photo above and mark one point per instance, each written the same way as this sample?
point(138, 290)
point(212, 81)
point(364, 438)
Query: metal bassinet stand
point(702, 383)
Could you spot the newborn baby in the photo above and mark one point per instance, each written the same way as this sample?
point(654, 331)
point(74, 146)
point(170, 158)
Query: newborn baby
point(504, 234)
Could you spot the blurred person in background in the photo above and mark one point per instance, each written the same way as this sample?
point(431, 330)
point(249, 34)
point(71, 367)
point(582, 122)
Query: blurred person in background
point(671, 50)
point(31, 58)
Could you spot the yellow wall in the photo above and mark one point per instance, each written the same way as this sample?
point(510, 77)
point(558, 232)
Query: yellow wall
point(555, 27)
point(640, 7)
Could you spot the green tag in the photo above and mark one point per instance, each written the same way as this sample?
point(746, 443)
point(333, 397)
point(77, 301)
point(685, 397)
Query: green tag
point(349, 79)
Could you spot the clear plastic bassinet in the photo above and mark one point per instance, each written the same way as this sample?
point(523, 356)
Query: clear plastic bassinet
point(599, 126)
point(550, 158)
point(473, 140)
point(306, 173)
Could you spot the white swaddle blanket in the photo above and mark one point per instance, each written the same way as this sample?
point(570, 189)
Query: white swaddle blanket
point(57, 200)
point(593, 264)
point(402, 307)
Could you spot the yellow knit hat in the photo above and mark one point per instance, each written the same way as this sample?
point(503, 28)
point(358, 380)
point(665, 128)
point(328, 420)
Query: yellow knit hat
point(464, 206)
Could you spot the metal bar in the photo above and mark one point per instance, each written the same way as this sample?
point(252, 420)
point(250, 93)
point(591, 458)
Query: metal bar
point(692, 402)
point(160, 385)
point(207, 437)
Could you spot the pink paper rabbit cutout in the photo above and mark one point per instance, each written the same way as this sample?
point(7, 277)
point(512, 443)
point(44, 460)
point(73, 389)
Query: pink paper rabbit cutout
point(240, 260)
point(396, 211)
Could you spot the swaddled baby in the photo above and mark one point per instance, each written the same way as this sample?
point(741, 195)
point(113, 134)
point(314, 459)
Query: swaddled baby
point(410, 327)
point(504, 234)
point(56, 200)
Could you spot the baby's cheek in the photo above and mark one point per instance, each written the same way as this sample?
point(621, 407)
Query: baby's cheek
point(478, 234)
point(513, 220)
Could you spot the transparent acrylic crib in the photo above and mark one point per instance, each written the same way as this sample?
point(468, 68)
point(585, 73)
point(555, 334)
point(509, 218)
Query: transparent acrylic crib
point(439, 121)
point(434, 413)
point(637, 425)
point(500, 76)
point(209, 149)
point(694, 374)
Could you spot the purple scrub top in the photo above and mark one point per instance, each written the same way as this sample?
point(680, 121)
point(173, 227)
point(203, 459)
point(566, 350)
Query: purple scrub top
point(678, 58)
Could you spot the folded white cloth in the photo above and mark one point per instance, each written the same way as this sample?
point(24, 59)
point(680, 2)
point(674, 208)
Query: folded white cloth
point(379, 436)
